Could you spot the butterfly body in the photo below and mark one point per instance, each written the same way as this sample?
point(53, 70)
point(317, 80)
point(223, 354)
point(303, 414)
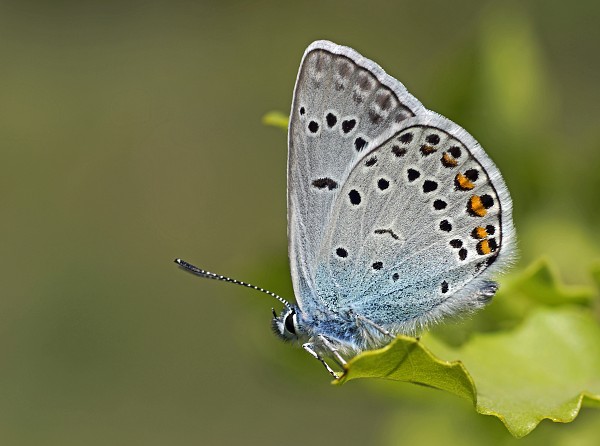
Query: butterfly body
point(343, 329)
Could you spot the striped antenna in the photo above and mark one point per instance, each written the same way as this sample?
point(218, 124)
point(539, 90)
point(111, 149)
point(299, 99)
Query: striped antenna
point(208, 275)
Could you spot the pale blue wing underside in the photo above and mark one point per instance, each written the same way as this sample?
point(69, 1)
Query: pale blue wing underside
point(342, 104)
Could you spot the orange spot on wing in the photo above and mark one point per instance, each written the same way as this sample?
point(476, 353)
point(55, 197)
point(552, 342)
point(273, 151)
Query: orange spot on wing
point(427, 150)
point(479, 232)
point(475, 206)
point(463, 183)
point(483, 247)
point(448, 160)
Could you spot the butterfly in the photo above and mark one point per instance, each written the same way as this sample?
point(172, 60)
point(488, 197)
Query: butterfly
point(397, 218)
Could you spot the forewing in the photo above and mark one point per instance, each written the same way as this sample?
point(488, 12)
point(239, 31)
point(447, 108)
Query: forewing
point(342, 104)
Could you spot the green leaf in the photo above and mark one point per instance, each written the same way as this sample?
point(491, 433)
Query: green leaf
point(546, 368)
point(520, 294)
point(539, 284)
point(406, 359)
point(276, 119)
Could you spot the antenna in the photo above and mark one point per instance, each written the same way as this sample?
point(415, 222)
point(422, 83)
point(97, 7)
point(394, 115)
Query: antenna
point(208, 275)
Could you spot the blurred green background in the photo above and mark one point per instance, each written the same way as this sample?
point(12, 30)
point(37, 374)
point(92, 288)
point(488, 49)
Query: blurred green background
point(131, 134)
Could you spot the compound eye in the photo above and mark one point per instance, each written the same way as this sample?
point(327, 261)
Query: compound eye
point(289, 323)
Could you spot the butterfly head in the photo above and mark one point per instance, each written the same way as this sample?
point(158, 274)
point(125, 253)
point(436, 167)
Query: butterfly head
point(286, 325)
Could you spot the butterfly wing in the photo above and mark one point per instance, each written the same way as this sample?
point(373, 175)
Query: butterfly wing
point(342, 103)
point(416, 228)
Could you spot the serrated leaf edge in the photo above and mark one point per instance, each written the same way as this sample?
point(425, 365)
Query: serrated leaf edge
point(579, 401)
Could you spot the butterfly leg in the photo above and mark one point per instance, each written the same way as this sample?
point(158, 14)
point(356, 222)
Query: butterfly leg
point(309, 348)
point(327, 343)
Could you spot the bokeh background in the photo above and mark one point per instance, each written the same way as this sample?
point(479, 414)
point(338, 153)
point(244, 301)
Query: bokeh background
point(131, 134)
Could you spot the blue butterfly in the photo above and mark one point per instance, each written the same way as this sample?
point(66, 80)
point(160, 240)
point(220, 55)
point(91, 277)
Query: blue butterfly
point(396, 216)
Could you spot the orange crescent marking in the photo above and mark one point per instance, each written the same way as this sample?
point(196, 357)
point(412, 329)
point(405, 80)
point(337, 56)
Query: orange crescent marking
point(483, 247)
point(463, 182)
point(475, 206)
point(448, 160)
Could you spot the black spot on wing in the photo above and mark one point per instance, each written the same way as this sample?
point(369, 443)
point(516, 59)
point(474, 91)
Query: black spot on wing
point(331, 120)
point(398, 151)
point(383, 184)
point(413, 174)
point(354, 197)
point(456, 243)
point(444, 287)
point(359, 144)
point(348, 125)
point(341, 252)
point(455, 151)
point(445, 226)
point(371, 161)
point(387, 231)
point(406, 138)
point(433, 139)
point(323, 183)
point(429, 186)
point(438, 205)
